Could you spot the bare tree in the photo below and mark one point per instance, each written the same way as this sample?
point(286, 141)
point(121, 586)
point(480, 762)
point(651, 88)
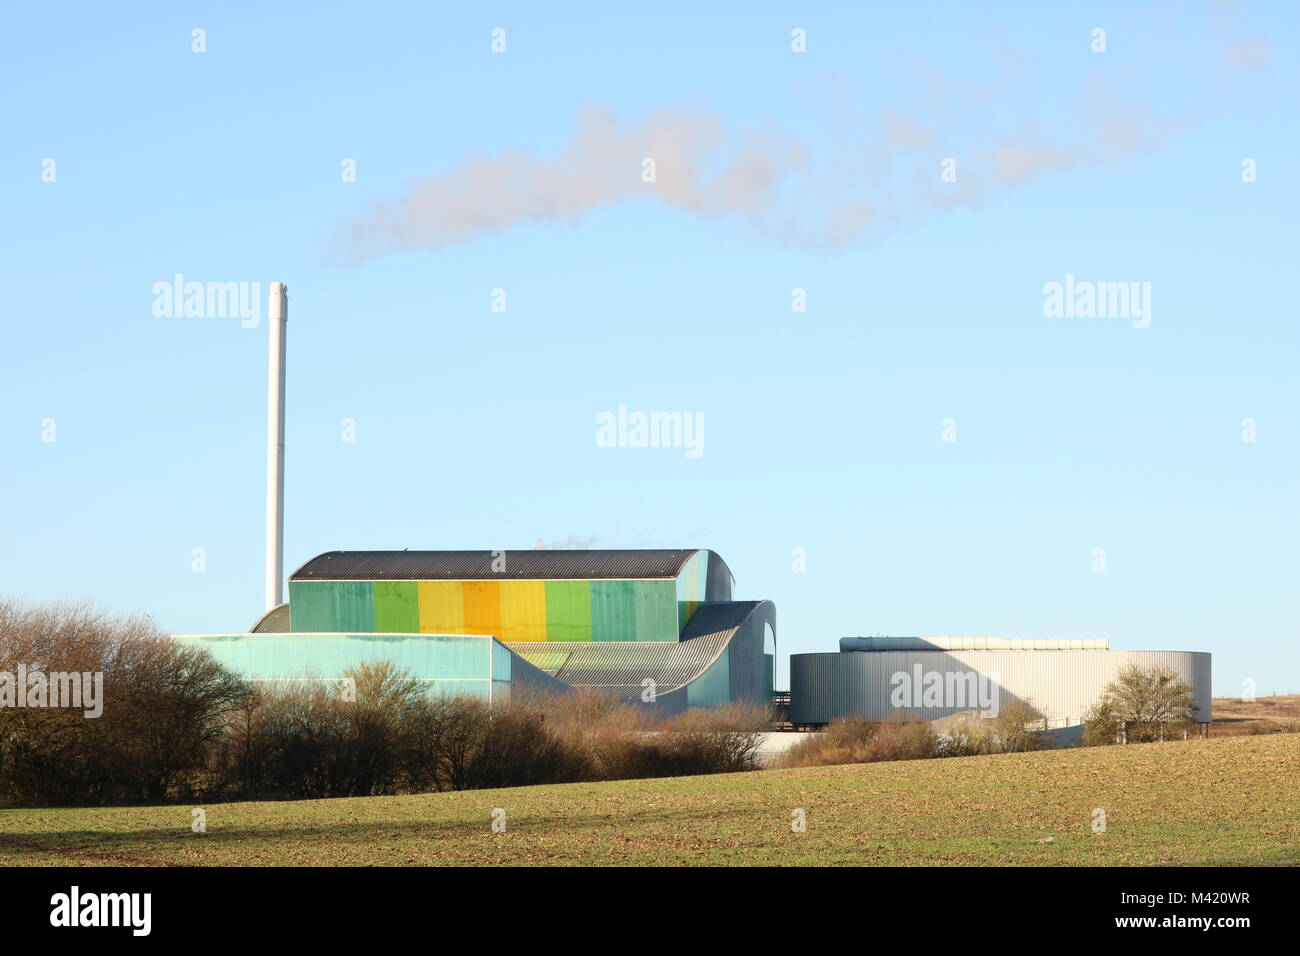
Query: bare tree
point(1142, 704)
point(1020, 726)
point(162, 708)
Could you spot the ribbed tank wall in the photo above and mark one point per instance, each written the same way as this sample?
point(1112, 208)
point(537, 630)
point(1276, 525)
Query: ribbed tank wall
point(1062, 684)
point(812, 688)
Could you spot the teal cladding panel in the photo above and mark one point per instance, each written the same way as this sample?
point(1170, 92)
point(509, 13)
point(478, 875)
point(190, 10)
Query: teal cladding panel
point(713, 687)
point(443, 663)
point(344, 606)
point(500, 662)
point(457, 664)
point(691, 587)
point(656, 610)
point(327, 655)
point(309, 606)
point(613, 611)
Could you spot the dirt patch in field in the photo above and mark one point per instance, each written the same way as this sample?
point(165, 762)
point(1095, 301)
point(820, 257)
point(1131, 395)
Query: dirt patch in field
point(1234, 717)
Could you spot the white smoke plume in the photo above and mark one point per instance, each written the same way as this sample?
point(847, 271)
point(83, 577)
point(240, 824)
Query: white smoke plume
point(601, 166)
point(568, 544)
point(876, 175)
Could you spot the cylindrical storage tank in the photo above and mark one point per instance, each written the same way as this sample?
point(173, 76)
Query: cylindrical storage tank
point(812, 699)
point(1062, 684)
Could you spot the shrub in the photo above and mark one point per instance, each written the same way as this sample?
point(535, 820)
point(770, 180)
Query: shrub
point(1019, 727)
point(177, 725)
point(856, 740)
point(967, 738)
point(1143, 704)
point(717, 740)
point(1101, 724)
point(295, 741)
point(163, 707)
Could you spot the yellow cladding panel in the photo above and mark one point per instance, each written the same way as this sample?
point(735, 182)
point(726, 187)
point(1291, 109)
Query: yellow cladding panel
point(442, 607)
point(482, 607)
point(523, 610)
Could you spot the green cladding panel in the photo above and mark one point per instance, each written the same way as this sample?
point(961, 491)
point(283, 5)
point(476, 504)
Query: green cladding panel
point(568, 610)
point(397, 607)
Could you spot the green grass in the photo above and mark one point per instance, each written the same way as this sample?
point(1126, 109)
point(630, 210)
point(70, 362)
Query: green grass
point(1227, 801)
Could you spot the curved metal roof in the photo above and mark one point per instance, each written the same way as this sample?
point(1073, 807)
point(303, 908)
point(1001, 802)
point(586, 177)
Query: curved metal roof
point(718, 616)
point(479, 565)
point(274, 621)
point(624, 665)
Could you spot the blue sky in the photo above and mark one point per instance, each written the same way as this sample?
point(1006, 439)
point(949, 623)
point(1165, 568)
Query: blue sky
point(476, 429)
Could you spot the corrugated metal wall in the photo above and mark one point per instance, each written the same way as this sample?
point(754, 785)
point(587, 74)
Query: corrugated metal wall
point(599, 610)
point(450, 664)
point(692, 587)
point(1060, 683)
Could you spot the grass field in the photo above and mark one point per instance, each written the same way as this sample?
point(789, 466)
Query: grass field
point(1224, 801)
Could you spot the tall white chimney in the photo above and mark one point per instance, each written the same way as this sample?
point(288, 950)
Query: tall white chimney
point(278, 310)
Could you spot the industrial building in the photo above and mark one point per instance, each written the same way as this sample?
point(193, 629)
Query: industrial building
point(657, 627)
point(934, 677)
